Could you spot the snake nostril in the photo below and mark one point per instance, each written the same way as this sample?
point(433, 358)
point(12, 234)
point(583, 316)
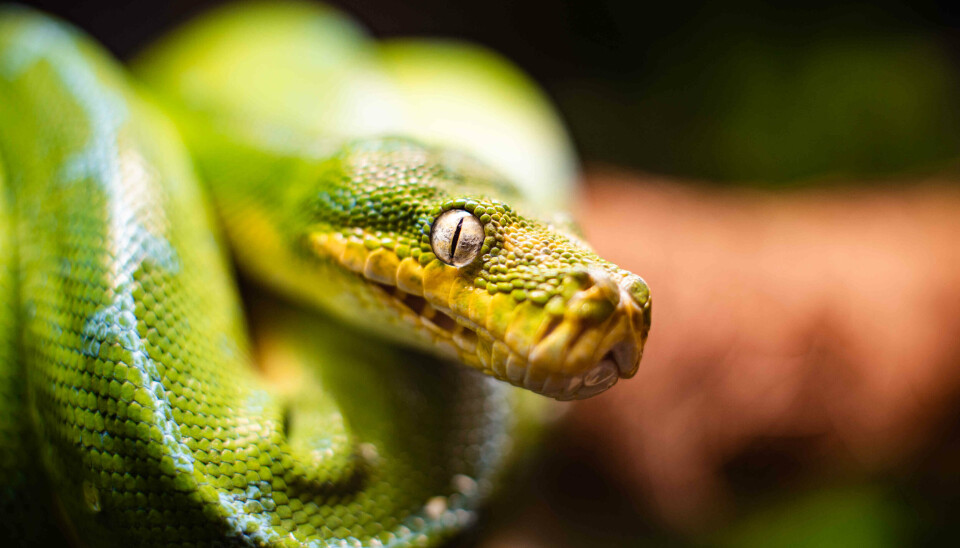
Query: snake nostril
point(583, 278)
point(593, 294)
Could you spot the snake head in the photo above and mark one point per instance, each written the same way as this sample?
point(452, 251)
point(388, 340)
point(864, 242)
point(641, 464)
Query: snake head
point(438, 243)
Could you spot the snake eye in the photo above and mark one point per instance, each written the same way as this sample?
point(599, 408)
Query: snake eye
point(456, 237)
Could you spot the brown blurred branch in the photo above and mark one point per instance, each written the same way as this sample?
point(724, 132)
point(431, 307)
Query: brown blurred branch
point(820, 326)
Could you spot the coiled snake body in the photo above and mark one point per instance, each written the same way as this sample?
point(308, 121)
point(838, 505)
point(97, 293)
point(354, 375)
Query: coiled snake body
point(133, 409)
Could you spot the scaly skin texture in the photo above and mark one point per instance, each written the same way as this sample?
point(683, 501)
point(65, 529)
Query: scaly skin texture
point(536, 308)
point(128, 386)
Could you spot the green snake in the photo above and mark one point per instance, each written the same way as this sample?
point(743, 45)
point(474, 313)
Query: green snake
point(135, 408)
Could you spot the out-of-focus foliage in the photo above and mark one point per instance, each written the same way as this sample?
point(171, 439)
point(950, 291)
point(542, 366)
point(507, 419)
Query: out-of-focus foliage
point(751, 100)
point(840, 106)
point(838, 517)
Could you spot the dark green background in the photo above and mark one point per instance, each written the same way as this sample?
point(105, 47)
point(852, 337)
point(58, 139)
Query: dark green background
point(734, 91)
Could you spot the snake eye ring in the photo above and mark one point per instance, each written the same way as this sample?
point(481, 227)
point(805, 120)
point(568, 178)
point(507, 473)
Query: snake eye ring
point(456, 237)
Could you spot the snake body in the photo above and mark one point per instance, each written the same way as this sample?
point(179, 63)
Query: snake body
point(136, 410)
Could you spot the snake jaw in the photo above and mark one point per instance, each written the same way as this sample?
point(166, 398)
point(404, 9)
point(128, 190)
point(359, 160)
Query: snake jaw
point(572, 347)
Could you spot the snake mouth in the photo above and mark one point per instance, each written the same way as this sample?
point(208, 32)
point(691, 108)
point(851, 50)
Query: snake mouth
point(580, 375)
point(567, 353)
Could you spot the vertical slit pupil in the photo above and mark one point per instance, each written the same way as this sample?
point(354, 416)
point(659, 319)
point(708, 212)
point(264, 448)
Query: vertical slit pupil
point(456, 238)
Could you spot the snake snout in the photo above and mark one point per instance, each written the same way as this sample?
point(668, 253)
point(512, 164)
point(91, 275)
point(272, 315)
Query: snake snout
point(599, 324)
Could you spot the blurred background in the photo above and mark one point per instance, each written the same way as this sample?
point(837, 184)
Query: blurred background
point(785, 178)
